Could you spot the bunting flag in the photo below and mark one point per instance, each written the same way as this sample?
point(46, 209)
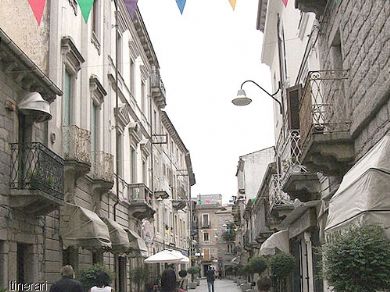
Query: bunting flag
point(37, 6)
point(285, 2)
point(233, 3)
point(181, 4)
point(85, 7)
point(131, 6)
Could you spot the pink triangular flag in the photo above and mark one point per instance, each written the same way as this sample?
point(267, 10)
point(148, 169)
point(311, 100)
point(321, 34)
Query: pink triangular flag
point(233, 3)
point(285, 2)
point(37, 7)
point(131, 6)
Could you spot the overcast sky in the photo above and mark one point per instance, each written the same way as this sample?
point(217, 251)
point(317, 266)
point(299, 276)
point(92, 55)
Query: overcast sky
point(204, 56)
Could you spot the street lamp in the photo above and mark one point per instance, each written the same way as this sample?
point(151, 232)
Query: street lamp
point(242, 100)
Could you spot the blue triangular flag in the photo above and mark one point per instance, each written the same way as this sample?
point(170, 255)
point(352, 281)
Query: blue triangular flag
point(181, 4)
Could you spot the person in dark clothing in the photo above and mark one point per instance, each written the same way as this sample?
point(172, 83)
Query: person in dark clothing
point(67, 283)
point(210, 279)
point(168, 280)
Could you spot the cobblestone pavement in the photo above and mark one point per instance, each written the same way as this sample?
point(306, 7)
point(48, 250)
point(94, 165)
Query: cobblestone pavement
point(219, 285)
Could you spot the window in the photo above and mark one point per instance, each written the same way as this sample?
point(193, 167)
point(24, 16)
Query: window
point(120, 154)
point(282, 51)
point(122, 275)
point(70, 256)
point(133, 166)
point(120, 52)
point(205, 220)
point(336, 52)
point(205, 236)
point(67, 99)
point(144, 172)
point(97, 257)
point(158, 219)
point(95, 18)
point(143, 101)
point(132, 76)
point(155, 122)
point(94, 127)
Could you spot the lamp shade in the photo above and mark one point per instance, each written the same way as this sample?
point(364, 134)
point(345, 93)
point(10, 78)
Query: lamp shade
point(241, 99)
point(32, 104)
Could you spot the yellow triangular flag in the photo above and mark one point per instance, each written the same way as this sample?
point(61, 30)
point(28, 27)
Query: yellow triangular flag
point(233, 3)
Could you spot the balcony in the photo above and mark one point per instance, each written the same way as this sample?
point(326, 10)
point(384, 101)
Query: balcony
point(140, 200)
point(325, 142)
point(181, 192)
point(103, 170)
point(36, 179)
point(316, 6)
point(205, 226)
point(280, 203)
point(162, 189)
point(179, 204)
point(158, 88)
point(77, 149)
point(296, 180)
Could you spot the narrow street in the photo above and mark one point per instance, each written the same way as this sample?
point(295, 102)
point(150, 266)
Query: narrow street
point(219, 285)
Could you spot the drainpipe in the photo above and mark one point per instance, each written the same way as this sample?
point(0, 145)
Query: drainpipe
point(116, 108)
point(116, 134)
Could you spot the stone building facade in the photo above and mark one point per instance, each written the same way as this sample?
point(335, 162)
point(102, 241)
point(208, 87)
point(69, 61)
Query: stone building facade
point(79, 188)
point(331, 61)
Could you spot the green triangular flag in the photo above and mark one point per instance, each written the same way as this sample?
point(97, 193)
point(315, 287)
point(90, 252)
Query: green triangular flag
point(85, 7)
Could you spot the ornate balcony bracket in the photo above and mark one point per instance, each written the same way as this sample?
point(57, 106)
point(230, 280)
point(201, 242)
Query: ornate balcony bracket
point(36, 179)
point(179, 204)
point(316, 6)
point(304, 186)
point(140, 200)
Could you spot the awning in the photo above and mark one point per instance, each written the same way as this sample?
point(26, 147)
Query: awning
point(364, 194)
point(119, 238)
point(299, 209)
point(137, 244)
point(277, 241)
point(82, 227)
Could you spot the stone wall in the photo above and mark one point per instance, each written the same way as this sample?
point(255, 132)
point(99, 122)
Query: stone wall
point(23, 29)
point(363, 28)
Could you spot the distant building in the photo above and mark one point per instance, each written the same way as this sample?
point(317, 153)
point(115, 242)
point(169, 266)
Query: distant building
point(210, 199)
point(213, 221)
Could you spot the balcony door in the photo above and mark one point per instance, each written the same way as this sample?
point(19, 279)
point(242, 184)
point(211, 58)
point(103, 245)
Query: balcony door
point(67, 103)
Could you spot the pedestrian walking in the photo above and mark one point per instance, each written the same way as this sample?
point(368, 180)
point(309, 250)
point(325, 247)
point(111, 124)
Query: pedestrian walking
point(67, 283)
point(168, 280)
point(210, 279)
point(102, 283)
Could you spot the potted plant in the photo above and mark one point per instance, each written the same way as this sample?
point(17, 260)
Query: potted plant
point(193, 271)
point(257, 265)
point(139, 276)
point(282, 265)
point(358, 260)
point(264, 284)
point(88, 276)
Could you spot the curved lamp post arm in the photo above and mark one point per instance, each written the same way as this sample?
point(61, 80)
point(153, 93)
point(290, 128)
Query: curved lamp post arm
point(271, 95)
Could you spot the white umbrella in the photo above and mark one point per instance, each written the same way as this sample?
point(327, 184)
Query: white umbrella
point(165, 256)
point(184, 260)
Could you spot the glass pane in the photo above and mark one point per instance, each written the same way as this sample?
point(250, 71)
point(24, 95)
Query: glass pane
point(67, 98)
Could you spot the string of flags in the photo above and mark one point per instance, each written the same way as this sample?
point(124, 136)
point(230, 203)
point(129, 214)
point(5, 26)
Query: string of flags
point(38, 6)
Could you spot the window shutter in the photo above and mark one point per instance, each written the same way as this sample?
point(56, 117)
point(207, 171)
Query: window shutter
point(293, 95)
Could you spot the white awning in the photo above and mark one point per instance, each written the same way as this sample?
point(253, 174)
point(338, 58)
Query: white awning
point(277, 241)
point(137, 244)
point(82, 227)
point(119, 238)
point(364, 194)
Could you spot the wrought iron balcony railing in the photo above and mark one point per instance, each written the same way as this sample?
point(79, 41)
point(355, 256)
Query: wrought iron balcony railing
point(162, 188)
point(318, 111)
point(77, 145)
point(36, 167)
point(103, 166)
point(276, 196)
point(290, 152)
